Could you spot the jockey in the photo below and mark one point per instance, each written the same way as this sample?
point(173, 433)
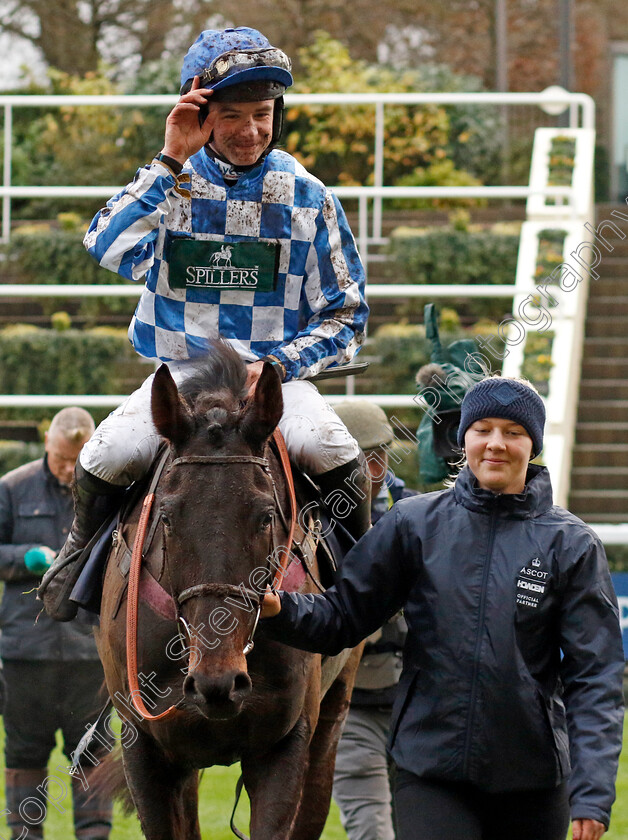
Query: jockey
point(233, 239)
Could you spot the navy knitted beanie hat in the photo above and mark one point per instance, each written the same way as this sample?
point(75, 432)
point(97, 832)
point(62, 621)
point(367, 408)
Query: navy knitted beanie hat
point(508, 399)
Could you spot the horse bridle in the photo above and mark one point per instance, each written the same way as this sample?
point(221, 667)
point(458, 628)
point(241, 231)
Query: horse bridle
point(202, 589)
point(224, 589)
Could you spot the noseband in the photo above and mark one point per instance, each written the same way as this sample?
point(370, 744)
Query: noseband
point(199, 590)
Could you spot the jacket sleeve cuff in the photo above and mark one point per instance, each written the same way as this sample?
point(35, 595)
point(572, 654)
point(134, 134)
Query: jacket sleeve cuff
point(12, 566)
point(278, 365)
point(172, 165)
point(589, 812)
point(291, 367)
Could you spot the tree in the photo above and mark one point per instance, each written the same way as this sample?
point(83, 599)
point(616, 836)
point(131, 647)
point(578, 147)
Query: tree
point(461, 34)
point(291, 24)
point(75, 36)
point(337, 142)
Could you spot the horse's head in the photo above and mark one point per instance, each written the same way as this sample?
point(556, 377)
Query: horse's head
point(217, 503)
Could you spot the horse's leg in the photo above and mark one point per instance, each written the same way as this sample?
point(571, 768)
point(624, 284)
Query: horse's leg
point(314, 806)
point(166, 796)
point(274, 783)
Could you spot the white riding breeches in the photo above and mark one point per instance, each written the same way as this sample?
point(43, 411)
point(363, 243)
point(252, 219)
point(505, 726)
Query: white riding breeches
point(124, 445)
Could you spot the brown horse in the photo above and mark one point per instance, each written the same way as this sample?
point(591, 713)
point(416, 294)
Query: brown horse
point(221, 508)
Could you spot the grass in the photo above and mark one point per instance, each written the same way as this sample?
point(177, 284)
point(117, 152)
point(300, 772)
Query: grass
point(216, 802)
point(217, 793)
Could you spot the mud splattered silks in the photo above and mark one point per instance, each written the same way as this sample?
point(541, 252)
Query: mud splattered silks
point(314, 316)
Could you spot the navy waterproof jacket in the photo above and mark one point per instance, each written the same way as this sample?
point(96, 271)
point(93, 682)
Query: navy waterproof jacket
point(35, 509)
point(513, 661)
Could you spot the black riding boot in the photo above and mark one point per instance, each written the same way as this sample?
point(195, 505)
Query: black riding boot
point(95, 500)
point(347, 490)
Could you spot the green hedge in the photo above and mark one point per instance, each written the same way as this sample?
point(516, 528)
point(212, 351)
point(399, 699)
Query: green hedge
point(38, 361)
point(617, 557)
point(40, 253)
point(400, 349)
point(14, 453)
point(50, 255)
point(453, 256)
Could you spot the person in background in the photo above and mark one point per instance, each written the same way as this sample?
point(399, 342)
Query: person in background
point(52, 671)
point(361, 778)
point(508, 718)
point(233, 239)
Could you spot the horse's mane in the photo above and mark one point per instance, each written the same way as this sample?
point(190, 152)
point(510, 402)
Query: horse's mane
point(221, 376)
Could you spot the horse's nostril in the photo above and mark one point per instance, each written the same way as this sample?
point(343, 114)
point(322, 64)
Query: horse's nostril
point(189, 685)
point(226, 690)
point(242, 683)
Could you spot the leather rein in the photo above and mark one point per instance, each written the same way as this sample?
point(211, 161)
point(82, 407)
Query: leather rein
point(199, 590)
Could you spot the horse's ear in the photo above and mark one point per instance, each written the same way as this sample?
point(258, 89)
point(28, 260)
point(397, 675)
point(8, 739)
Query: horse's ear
point(171, 416)
point(264, 407)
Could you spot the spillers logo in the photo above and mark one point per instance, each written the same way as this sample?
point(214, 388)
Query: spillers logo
point(220, 273)
point(532, 582)
point(219, 266)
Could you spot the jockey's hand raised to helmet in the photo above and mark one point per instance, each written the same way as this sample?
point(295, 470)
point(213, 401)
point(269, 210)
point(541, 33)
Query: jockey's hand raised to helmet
point(184, 134)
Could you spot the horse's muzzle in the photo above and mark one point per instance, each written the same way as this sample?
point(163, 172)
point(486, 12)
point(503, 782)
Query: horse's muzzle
point(217, 697)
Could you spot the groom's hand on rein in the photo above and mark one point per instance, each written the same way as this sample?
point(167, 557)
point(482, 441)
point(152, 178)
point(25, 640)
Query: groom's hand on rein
point(271, 605)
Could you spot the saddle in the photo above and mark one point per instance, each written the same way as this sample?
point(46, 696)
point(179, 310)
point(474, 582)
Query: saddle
point(317, 535)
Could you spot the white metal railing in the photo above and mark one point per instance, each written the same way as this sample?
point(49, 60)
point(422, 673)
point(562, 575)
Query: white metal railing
point(568, 316)
point(364, 195)
point(374, 290)
point(612, 534)
point(581, 115)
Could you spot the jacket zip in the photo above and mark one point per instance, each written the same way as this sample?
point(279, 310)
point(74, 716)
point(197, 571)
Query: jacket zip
point(478, 645)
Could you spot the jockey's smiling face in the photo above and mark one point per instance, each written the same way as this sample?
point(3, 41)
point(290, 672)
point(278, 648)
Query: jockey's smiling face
point(242, 130)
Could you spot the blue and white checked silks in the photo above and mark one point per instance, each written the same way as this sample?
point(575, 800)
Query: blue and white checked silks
point(317, 314)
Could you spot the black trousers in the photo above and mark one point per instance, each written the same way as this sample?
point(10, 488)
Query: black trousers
point(427, 809)
point(42, 697)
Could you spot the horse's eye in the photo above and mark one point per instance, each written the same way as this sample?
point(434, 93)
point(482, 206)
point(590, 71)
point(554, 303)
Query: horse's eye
point(165, 519)
point(267, 520)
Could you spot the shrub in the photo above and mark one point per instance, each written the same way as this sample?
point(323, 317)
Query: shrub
point(442, 256)
point(537, 360)
point(46, 254)
point(37, 361)
point(550, 252)
point(337, 142)
point(452, 255)
point(617, 557)
point(15, 453)
point(401, 349)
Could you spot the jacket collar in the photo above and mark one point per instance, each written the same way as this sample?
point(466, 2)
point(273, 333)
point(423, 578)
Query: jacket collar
point(52, 479)
point(535, 499)
point(209, 169)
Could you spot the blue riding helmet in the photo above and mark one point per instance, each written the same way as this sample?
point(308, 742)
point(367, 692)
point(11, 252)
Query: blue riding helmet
point(240, 65)
point(226, 57)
